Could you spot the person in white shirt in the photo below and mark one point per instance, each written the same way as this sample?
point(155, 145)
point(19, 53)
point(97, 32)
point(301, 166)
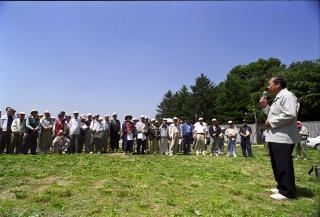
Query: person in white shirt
point(175, 134)
point(97, 130)
point(45, 137)
point(74, 131)
point(18, 128)
point(142, 129)
point(164, 135)
point(106, 134)
point(5, 128)
point(200, 131)
point(301, 147)
point(231, 133)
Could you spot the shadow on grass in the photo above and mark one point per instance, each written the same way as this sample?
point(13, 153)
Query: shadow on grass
point(304, 192)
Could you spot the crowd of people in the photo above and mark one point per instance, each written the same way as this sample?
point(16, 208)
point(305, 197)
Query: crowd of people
point(42, 133)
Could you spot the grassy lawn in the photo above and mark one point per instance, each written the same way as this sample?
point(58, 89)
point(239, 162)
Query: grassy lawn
point(151, 185)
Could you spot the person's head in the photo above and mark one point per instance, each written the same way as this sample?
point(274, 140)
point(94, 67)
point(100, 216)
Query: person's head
point(142, 118)
point(9, 111)
point(214, 121)
point(47, 114)
point(276, 84)
point(244, 121)
point(22, 115)
point(34, 113)
point(68, 117)
point(153, 120)
point(164, 121)
point(60, 116)
point(175, 120)
point(114, 115)
point(106, 117)
point(13, 111)
point(128, 117)
point(83, 118)
point(76, 114)
point(89, 117)
point(200, 120)
point(100, 119)
point(230, 123)
point(96, 116)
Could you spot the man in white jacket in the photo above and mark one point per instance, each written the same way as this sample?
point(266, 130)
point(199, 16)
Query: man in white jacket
point(74, 127)
point(18, 128)
point(281, 135)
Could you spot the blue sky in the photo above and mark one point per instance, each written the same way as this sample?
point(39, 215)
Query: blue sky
point(123, 56)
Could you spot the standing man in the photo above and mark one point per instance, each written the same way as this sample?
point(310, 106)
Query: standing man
point(74, 126)
point(106, 134)
point(18, 128)
point(115, 128)
point(281, 134)
point(32, 131)
point(5, 126)
point(231, 133)
point(200, 130)
point(302, 145)
point(97, 135)
point(164, 135)
point(88, 135)
point(154, 136)
point(214, 131)
point(186, 129)
point(245, 132)
point(142, 129)
point(174, 134)
point(46, 126)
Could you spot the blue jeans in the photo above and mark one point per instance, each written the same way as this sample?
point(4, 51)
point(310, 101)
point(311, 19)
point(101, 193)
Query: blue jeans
point(231, 147)
point(186, 143)
point(246, 146)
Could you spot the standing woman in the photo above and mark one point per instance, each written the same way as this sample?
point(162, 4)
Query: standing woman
point(164, 135)
point(32, 131)
point(128, 134)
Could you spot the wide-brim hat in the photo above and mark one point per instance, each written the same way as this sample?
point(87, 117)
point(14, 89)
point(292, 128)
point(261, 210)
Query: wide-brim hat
point(128, 116)
point(21, 113)
point(229, 122)
point(214, 119)
point(46, 112)
point(113, 114)
point(33, 111)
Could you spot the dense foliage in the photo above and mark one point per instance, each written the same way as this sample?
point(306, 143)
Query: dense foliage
point(237, 97)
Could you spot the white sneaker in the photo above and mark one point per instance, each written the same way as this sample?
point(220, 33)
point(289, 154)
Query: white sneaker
point(278, 196)
point(211, 154)
point(91, 152)
point(171, 154)
point(204, 153)
point(234, 155)
point(274, 190)
point(216, 154)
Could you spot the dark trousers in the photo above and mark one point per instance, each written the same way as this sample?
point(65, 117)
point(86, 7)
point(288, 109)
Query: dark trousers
point(282, 166)
point(97, 143)
point(141, 146)
point(31, 143)
point(74, 144)
point(5, 142)
point(114, 141)
point(127, 144)
point(246, 146)
point(17, 143)
point(186, 144)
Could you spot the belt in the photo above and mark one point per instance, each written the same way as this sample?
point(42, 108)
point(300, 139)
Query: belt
point(201, 133)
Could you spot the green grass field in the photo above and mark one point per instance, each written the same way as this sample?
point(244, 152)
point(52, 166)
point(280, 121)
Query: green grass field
point(150, 185)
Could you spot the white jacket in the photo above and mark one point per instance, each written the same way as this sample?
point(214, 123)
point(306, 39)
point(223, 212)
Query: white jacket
point(282, 116)
point(74, 126)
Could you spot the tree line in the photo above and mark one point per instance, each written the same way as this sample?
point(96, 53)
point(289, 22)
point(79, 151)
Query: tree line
point(237, 97)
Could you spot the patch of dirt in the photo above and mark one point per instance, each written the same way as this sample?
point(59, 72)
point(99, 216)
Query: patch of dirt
point(99, 183)
point(39, 185)
point(7, 194)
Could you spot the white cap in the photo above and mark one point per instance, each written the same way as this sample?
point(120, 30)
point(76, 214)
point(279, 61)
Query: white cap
point(33, 110)
point(21, 113)
point(142, 116)
point(89, 114)
point(106, 116)
point(68, 115)
point(229, 122)
point(113, 114)
point(46, 112)
point(100, 119)
point(214, 119)
point(175, 118)
point(153, 119)
point(200, 119)
point(96, 114)
point(75, 112)
point(83, 116)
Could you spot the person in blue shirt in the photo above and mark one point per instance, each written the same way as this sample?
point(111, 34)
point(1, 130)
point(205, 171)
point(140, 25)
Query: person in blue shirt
point(187, 136)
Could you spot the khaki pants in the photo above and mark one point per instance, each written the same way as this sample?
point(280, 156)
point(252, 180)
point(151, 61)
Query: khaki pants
point(200, 143)
point(45, 140)
point(164, 145)
point(174, 144)
point(154, 146)
point(105, 142)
